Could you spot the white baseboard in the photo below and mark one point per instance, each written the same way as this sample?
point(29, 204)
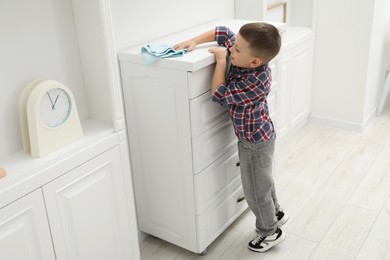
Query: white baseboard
point(353, 126)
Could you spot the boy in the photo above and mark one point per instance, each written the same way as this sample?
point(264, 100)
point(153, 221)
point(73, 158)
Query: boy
point(244, 91)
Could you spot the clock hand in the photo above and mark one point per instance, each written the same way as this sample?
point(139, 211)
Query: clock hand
point(51, 101)
point(55, 102)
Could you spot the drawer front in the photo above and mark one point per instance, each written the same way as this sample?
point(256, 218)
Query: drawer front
point(217, 181)
point(212, 144)
point(205, 114)
point(199, 81)
point(216, 219)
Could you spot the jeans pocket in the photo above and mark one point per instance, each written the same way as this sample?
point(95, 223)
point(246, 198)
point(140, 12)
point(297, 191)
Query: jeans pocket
point(264, 157)
point(244, 152)
point(265, 153)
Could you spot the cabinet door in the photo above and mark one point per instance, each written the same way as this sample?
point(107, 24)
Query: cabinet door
point(282, 124)
point(158, 120)
point(87, 211)
point(301, 84)
point(296, 74)
point(24, 230)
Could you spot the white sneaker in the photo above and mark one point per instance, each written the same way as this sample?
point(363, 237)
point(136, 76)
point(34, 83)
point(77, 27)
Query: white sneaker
point(262, 244)
point(282, 218)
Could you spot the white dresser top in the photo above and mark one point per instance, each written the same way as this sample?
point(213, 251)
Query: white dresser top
point(192, 61)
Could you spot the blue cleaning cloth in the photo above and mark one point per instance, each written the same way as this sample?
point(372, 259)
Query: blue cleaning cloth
point(152, 53)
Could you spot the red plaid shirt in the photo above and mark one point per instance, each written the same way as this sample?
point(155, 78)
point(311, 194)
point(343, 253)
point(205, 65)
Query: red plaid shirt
point(245, 95)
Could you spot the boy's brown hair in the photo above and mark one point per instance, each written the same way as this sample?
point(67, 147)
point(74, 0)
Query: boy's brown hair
point(263, 38)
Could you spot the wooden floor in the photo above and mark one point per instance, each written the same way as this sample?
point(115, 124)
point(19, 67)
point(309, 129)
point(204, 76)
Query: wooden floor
point(335, 186)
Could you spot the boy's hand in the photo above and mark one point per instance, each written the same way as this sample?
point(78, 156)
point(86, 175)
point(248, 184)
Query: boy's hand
point(220, 54)
point(189, 45)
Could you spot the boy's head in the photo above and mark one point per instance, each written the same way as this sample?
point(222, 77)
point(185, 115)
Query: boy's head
point(256, 44)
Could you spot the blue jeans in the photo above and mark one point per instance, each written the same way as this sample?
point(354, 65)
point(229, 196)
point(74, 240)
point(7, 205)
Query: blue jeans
point(258, 184)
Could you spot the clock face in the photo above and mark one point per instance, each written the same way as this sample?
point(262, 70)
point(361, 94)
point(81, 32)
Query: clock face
point(55, 107)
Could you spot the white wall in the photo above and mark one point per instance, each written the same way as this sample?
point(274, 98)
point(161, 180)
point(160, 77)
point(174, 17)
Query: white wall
point(349, 66)
point(380, 55)
point(138, 22)
point(341, 59)
point(38, 39)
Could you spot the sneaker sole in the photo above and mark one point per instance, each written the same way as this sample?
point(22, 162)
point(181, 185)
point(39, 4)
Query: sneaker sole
point(270, 244)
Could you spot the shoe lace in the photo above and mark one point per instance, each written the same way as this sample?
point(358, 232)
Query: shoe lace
point(258, 239)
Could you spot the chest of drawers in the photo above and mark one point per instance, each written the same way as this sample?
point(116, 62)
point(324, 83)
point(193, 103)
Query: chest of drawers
point(183, 148)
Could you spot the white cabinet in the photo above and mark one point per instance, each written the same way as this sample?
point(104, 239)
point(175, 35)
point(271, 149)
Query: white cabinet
point(87, 211)
point(70, 28)
point(182, 145)
point(295, 71)
point(24, 230)
point(171, 164)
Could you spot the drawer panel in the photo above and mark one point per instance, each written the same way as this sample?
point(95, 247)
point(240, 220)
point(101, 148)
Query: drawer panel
point(205, 114)
point(199, 81)
point(217, 181)
point(212, 144)
point(216, 219)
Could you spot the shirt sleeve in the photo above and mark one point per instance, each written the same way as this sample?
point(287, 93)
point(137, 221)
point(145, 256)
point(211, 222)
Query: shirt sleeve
point(249, 90)
point(224, 36)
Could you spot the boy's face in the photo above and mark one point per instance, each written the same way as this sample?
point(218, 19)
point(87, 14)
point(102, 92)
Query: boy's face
point(241, 55)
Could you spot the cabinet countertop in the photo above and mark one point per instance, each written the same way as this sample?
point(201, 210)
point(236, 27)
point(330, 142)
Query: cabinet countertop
point(26, 173)
point(191, 61)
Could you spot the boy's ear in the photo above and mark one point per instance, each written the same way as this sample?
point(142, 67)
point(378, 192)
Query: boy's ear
point(256, 62)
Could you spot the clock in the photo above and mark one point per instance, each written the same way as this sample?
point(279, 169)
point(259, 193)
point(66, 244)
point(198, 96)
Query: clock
point(51, 117)
point(55, 107)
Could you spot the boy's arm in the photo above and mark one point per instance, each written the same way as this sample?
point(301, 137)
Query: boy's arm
point(190, 44)
point(220, 54)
